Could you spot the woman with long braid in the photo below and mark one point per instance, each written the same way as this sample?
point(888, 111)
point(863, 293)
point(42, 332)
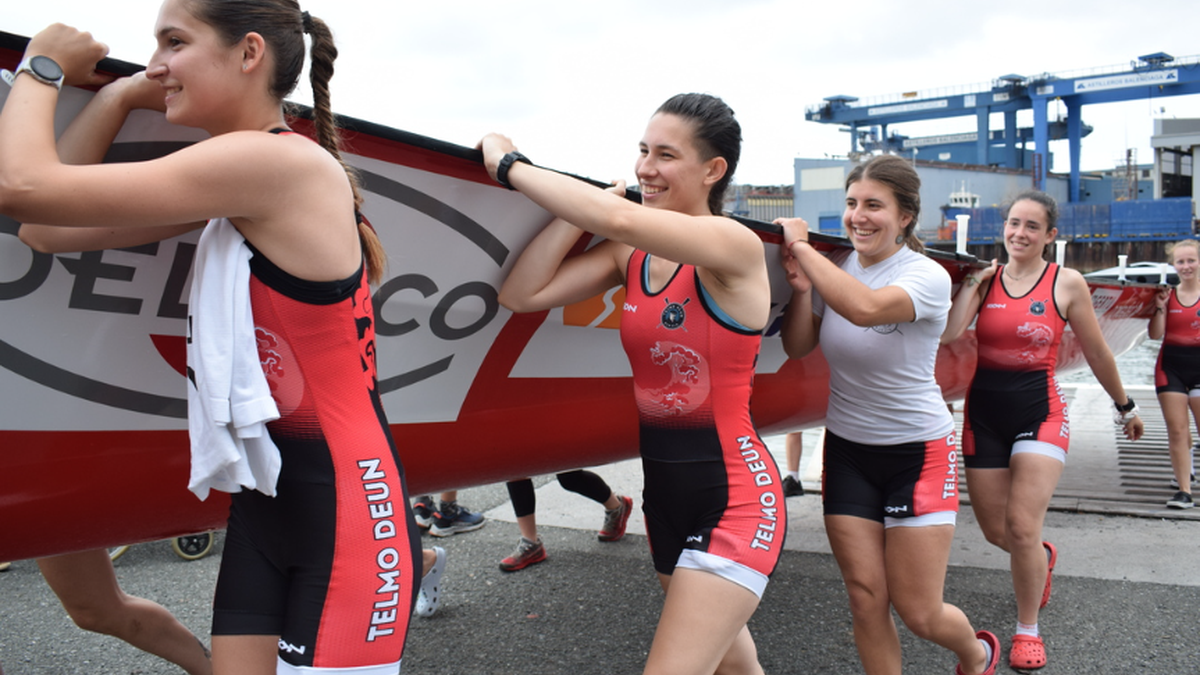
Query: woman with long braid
point(311, 578)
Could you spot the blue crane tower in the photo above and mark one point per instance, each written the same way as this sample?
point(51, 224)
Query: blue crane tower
point(1150, 76)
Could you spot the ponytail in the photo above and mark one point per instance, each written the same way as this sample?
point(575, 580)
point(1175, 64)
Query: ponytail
point(322, 55)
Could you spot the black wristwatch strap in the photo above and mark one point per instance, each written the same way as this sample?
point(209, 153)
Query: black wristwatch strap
point(1127, 406)
point(506, 163)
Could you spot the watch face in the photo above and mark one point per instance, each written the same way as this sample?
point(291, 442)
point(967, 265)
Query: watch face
point(45, 68)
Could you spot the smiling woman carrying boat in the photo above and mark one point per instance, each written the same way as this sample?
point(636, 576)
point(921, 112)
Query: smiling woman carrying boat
point(308, 582)
point(697, 300)
point(890, 470)
point(1015, 428)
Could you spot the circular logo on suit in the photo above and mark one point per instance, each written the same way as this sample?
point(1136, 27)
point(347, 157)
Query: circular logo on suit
point(673, 315)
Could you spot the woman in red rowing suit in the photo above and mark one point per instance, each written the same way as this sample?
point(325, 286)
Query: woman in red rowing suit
point(309, 580)
point(696, 302)
point(1015, 431)
point(1176, 322)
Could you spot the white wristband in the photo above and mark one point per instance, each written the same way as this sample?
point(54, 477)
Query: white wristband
point(1123, 418)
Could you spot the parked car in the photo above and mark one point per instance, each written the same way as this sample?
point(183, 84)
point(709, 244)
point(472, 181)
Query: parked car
point(1141, 272)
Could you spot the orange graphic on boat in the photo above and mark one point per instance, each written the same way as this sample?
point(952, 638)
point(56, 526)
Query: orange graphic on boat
point(600, 311)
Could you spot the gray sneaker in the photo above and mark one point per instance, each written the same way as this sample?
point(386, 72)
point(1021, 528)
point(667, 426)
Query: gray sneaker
point(527, 553)
point(453, 519)
point(423, 511)
point(615, 520)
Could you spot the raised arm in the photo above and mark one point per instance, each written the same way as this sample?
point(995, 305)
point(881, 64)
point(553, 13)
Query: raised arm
point(543, 277)
point(849, 297)
point(86, 141)
point(27, 119)
point(728, 250)
point(223, 176)
point(1158, 320)
point(967, 302)
point(1082, 318)
point(801, 329)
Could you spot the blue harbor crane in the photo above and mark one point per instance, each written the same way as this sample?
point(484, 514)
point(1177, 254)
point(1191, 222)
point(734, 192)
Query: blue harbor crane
point(1150, 76)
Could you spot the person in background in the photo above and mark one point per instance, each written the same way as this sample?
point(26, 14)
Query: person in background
point(697, 299)
point(281, 227)
point(890, 465)
point(87, 587)
point(1176, 321)
point(794, 447)
point(530, 550)
point(446, 518)
point(1015, 427)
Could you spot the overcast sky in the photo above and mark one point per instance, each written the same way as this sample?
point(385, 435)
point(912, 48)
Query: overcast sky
point(574, 82)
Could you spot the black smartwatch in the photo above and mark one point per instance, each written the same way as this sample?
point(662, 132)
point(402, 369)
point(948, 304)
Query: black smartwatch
point(506, 163)
point(42, 68)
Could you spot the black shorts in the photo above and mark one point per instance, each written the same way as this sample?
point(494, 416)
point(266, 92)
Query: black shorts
point(1004, 408)
point(1177, 370)
point(889, 483)
point(724, 517)
point(337, 593)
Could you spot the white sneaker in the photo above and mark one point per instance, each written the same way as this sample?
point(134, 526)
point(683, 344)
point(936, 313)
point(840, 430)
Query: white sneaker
point(430, 595)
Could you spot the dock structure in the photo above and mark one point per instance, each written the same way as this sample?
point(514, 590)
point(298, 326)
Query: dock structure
point(1151, 75)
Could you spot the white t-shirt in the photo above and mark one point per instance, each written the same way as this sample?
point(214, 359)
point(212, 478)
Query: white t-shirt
point(881, 378)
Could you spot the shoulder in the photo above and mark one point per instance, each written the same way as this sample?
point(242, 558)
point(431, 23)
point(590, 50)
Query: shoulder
point(275, 153)
point(911, 257)
point(929, 263)
point(734, 232)
point(1071, 287)
point(733, 253)
point(1071, 280)
point(913, 265)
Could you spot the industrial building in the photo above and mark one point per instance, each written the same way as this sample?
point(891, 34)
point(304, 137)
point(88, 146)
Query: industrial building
point(976, 172)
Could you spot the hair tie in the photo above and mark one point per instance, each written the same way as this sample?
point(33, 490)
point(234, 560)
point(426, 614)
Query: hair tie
point(306, 21)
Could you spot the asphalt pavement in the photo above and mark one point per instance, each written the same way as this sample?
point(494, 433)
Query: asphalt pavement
point(1126, 591)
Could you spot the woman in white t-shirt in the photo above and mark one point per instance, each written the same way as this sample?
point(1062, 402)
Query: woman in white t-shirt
point(890, 469)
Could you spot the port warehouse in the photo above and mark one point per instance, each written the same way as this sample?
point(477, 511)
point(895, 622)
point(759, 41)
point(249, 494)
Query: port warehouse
point(1096, 233)
point(1134, 209)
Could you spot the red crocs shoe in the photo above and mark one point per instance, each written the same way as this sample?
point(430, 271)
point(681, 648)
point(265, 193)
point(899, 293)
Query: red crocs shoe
point(994, 643)
point(1028, 653)
point(1052, 554)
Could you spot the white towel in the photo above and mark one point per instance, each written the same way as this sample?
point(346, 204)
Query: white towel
point(229, 401)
